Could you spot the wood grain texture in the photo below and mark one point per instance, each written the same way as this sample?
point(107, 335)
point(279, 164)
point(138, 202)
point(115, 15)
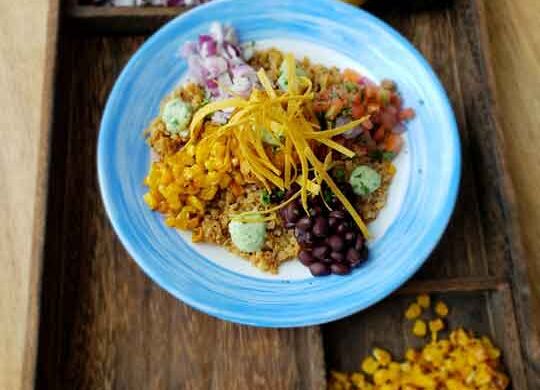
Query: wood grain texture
point(26, 73)
point(127, 20)
point(104, 323)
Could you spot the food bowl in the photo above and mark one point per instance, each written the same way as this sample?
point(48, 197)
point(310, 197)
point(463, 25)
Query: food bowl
point(421, 197)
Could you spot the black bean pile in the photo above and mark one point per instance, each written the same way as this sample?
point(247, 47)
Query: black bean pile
point(330, 241)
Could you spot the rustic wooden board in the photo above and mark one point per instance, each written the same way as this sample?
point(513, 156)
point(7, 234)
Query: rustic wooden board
point(104, 324)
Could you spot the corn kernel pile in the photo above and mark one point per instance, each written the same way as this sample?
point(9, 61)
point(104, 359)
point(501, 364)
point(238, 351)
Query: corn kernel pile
point(181, 184)
point(461, 362)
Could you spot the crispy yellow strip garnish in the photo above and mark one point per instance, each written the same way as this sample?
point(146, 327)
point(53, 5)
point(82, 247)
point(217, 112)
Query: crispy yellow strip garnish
point(292, 79)
point(267, 85)
point(273, 209)
point(210, 108)
point(251, 216)
point(338, 147)
point(312, 186)
point(288, 162)
point(309, 84)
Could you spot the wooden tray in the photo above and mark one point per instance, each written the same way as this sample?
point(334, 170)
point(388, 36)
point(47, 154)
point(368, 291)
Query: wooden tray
point(104, 324)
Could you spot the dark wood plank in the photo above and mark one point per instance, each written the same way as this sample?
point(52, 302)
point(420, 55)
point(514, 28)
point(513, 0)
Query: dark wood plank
point(104, 323)
point(468, 284)
point(123, 20)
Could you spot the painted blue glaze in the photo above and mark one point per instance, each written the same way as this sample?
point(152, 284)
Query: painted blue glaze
point(123, 160)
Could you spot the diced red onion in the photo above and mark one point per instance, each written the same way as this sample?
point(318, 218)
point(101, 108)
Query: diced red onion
point(188, 49)
point(242, 70)
point(242, 86)
point(215, 62)
point(212, 84)
point(352, 133)
point(220, 117)
point(203, 38)
point(365, 81)
point(214, 65)
point(195, 69)
point(231, 50)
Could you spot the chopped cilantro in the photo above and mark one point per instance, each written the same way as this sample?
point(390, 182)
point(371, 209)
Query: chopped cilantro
point(265, 197)
point(328, 195)
point(376, 155)
point(277, 196)
point(351, 87)
point(389, 156)
point(381, 155)
point(347, 111)
point(339, 174)
point(205, 101)
point(365, 188)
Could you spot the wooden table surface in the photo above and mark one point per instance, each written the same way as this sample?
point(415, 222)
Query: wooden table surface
point(514, 34)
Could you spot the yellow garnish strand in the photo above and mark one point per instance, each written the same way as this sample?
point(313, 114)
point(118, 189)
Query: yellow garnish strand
point(336, 131)
point(210, 108)
point(312, 186)
point(252, 216)
point(266, 83)
point(292, 82)
point(338, 147)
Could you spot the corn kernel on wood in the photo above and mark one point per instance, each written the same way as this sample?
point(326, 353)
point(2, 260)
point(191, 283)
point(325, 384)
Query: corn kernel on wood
point(419, 328)
point(460, 362)
point(441, 309)
point(424, 301)
point(413, 311)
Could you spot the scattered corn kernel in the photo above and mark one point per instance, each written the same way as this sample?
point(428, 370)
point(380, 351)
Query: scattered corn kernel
point(411, 355)
point(423, 300)
point(436, 325)
point(369, 365)
point(441, 309)
point(358, 379)
point(419, 328)
point(413, 311)
point(382, 356)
